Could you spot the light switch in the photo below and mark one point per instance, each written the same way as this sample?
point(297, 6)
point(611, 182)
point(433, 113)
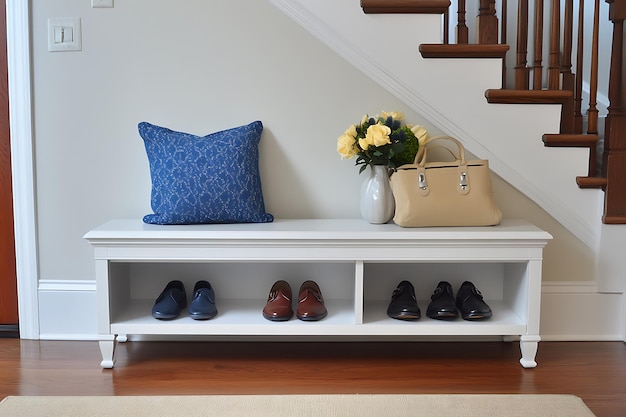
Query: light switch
point(64, 34)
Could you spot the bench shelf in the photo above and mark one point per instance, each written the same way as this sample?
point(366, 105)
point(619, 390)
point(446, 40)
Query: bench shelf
point(356, 264)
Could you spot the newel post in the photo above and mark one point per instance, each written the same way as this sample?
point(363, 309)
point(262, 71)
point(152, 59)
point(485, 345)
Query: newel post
point(614, 155)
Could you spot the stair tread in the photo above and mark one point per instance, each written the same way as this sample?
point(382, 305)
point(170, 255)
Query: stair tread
point(591, 182)
point(429, 50)
point(570, 140)
point(505, 96)
point(405, 6)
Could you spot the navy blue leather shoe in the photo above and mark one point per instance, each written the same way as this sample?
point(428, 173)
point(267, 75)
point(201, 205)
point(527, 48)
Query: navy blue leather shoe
point(170, 302)
point(202, 305)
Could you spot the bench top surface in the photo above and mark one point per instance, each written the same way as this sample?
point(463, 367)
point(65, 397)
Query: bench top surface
point(311, 229)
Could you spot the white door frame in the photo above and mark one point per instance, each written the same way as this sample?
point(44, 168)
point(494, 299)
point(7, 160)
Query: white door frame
point(22, 163)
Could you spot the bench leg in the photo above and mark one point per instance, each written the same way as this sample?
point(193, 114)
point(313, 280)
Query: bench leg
point(528, 346)
point(107, 349)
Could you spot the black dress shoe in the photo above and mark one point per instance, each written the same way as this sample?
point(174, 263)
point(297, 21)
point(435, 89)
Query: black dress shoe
point(202, 305)
point(470, 303)
point(442, 305)
point(171, 300)
point(403, 305)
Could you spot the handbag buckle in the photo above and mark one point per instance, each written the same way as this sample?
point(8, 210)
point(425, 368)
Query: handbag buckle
point(463, 180)
point(421, 180)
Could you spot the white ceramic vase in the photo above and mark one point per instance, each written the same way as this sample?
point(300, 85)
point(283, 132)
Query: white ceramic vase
point(377, 203)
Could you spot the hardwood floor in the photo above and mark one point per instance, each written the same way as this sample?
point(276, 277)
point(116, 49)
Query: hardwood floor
point(594, 371)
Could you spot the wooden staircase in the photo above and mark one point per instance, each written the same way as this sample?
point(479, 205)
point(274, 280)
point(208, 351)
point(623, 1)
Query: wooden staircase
point(562, 86)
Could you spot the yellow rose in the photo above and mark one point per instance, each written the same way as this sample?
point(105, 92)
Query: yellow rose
point(378, 135)
point(365, 143)
point(351, 131)
point(421, 134)
point(395, 115)
point(346, 146)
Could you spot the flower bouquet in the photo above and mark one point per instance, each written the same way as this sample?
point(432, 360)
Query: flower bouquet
point(382, 140)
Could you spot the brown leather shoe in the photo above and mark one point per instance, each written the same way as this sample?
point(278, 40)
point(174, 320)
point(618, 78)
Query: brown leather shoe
point(278, 307)
point(310, 302)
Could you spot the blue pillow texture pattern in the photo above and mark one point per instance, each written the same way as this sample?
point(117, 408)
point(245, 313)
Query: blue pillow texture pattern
point(209, 179)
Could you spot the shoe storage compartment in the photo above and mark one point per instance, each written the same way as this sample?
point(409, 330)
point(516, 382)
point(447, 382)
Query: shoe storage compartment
point(357, 266)
point(501, 284)
point(241, 291)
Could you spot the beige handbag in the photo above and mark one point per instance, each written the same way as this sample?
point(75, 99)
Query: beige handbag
point(455, 193)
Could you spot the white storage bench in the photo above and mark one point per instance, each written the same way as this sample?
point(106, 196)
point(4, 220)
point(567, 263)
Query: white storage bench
point(356, 264)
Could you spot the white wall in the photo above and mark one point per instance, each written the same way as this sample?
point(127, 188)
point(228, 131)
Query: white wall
point(202, 66)
point(192, 66)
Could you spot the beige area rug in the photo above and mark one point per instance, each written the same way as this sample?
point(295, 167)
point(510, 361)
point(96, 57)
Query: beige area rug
point(366, 405)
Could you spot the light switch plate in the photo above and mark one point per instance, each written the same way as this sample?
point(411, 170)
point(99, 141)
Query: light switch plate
point(64, 34)
point(101, 3)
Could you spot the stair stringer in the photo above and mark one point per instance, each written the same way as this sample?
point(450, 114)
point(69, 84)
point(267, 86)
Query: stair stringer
point(449, 93)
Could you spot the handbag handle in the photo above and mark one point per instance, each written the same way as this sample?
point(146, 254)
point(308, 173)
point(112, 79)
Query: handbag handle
point(420, 158)
point(463, 186)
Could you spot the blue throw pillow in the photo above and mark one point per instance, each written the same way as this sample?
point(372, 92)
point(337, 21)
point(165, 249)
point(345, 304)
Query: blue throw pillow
point(209, 179)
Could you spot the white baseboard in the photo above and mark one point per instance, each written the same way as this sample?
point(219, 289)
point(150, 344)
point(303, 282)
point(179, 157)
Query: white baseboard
point(570, 311)
point(576, 311)
point(67, 310)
